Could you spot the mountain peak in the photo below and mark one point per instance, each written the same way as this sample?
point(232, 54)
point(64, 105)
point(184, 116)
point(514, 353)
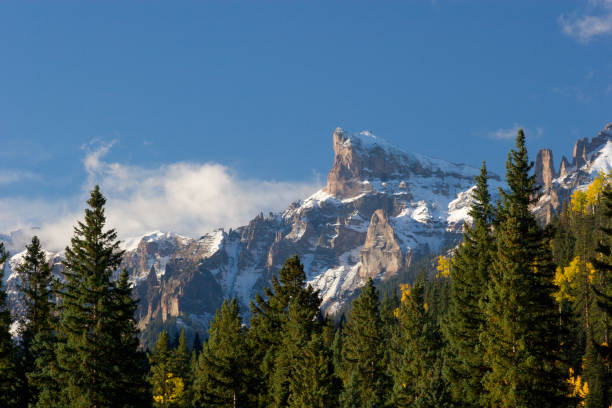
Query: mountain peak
point(364, 140)
point(364, 157)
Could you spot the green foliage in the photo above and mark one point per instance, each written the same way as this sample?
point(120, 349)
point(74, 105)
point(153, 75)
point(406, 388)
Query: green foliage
point(39, 322)
point(522, 339)
point(602, 263)
point(10, 383)
point(97, 357)
point(313, 383)
point(516, 316)
point(167, 387)
point(271, 319)
point(417, 374)
point(364, 352)
point(466, 320)
point(223, 373)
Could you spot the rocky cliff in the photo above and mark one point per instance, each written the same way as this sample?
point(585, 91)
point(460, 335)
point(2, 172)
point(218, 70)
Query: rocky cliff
point(380, 210)
point(589, 158)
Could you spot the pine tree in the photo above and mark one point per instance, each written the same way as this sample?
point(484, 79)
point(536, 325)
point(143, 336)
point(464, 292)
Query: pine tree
point(10, 383)
point(603, 294)
point(522, 337)
point(265, 336)
point(181, 367)
point(313, 383)
point(417, 374)
point(596, 375)
point(222, 376)
point(299, 325)
point(351, 394)
point(97, 334)
point(167, 388)
point(128, 362)
point(337, 351)
point(197, 344)
point(465, 368)
point(38, 323)
point(364, 348)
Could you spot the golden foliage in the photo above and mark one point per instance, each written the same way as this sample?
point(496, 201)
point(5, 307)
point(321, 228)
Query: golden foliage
point(584, 201)
point(170, 392)
point(578, 388)
point(579, 202)
point(405, 289)
point(443, 267)
point(566, 279)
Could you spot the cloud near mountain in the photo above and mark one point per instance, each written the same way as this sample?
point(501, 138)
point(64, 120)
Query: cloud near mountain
point(189, 198)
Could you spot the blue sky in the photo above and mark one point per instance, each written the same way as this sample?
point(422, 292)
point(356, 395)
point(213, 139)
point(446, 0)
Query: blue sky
point(253, 90)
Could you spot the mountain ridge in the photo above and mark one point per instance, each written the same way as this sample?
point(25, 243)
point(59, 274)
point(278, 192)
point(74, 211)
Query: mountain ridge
point(380, 210)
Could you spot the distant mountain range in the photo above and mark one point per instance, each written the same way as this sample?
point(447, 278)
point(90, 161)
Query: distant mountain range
point(381, 210)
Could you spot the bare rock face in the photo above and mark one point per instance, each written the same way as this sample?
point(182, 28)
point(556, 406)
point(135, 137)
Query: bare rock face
point(545, 168)
point(579, 155)
point(380, 210)
point(381, 251)
point(564, 168)
point(343, 178)
point(589, 158)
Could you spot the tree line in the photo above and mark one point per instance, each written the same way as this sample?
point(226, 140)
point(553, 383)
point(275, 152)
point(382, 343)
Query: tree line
point(517, 315)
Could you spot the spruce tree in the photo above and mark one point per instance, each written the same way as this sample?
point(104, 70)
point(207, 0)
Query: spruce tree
point(167, 388)
point(313, 383)
point(596, 374)
point(351, 394)
point(364, 349)
point(97, 334)
point(181, 367)
point(603, 293)
point(522, 338)
point(465, 366)
point(299, 325)
point(222, 376)
point(270, 314)
point(130, 363)
point(337, 353)
point(38, 323)
point(418, 353)
point(197, 344)
point(10, 382)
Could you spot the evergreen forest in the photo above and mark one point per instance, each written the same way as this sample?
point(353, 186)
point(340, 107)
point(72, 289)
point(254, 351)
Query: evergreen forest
point(518, 315)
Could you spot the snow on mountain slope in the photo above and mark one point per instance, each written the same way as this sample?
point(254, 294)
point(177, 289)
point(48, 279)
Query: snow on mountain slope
point(589, 158)
point(380, 210)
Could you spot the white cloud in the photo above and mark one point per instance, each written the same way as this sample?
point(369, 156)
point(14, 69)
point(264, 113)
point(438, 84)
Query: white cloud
point(511, 132)
point(596, 21)
point(187, 198)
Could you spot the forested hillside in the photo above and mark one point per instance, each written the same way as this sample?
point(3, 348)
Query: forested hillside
point(518, 315)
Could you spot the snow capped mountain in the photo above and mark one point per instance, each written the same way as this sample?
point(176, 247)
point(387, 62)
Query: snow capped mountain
point(380, 210)
point(589, 158)
point(12, 281)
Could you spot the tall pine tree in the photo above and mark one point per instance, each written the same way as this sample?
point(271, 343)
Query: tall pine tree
point(97, 334)
point(10, 383)
point(181, 361)
point(602, 369)
point(465, 366)
point(265, 338)
point(364, 351)
point(222, 377)
point(418, 357)
point(38, 324)
point(522, 339)
point(168, 389)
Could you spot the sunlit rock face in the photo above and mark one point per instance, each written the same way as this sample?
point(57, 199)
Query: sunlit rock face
point(380, 209)
point(589, 158)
